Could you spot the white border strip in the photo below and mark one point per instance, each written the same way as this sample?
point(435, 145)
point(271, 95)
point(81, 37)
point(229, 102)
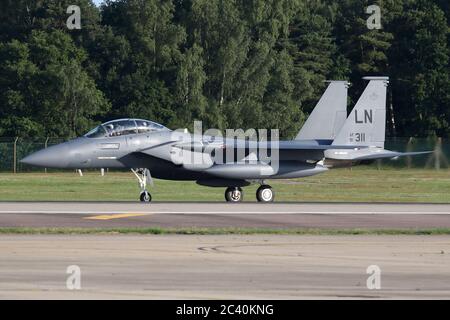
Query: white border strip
point(91, 212)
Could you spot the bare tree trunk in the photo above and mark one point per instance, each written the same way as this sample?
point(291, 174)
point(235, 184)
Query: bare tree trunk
point(392, 118)
point(222, 90)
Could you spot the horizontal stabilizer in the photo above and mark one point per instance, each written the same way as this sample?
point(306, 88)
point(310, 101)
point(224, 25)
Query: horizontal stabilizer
point(368, 154)
point(391, 155)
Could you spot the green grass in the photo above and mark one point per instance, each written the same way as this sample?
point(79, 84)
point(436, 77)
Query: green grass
point(219, 231)
point(362, 184)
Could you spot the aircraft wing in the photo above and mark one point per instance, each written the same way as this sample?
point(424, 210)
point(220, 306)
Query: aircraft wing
point(391, 155)
point(182, 153)
point(241, 144)
point(299, 150)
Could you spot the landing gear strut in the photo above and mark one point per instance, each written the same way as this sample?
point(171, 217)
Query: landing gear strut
point(144, 178)
point(265, 194)
point(234, 194)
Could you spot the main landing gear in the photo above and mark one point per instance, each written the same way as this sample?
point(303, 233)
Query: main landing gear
point(144, 178)
point(234, 194)
point(264, 194)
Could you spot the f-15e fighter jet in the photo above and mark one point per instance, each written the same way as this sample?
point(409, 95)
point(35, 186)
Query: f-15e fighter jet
point(327, 140)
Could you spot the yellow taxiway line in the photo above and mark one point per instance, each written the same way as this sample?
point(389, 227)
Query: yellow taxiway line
point(116, 216)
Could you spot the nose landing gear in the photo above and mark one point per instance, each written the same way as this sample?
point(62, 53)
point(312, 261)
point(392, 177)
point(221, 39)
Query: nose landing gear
point(144, 177)
point(146, 196)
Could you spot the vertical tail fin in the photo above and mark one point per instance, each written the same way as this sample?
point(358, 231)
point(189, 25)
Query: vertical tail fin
point(329, 115)
point(366, 125)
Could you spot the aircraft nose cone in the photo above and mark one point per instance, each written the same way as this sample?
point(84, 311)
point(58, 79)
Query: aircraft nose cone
point(52, 157)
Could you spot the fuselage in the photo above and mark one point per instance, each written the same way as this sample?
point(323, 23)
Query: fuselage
point(155, 151)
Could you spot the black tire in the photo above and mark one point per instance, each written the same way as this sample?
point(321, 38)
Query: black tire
point(265, 194)
point(234, 195)
point(146, 197)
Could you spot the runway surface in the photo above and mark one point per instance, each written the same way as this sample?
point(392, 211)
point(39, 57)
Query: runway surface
point(224, 267)
point(222, 215)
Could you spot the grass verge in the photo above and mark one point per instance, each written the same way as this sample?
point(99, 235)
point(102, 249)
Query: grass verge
point(362, 184)
point(219, 231)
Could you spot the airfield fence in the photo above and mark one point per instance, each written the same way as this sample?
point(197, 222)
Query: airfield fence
point(14, 149)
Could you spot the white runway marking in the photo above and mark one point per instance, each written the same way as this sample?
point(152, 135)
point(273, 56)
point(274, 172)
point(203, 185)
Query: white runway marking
point(229, 212)
point(98, 208)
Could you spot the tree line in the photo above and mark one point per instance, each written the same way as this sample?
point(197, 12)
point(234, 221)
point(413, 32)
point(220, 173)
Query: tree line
point(230, 63)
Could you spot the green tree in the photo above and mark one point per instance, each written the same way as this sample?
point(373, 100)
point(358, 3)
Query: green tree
point(190, 82)
point(230, 63)
point(312, 48)
point(47, 90)
point(17, 117)
point(140, 69)
point(420, 64)
point(367, 50)
point(281, 110)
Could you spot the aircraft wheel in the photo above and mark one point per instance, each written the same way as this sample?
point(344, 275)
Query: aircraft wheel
point(234, 195)
point(265, 194)
point(146, 196)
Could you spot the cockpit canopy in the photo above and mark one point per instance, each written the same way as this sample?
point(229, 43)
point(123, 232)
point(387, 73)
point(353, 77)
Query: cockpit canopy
point(124, 127)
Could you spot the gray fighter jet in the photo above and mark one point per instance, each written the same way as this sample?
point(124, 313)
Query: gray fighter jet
point(327, 140)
